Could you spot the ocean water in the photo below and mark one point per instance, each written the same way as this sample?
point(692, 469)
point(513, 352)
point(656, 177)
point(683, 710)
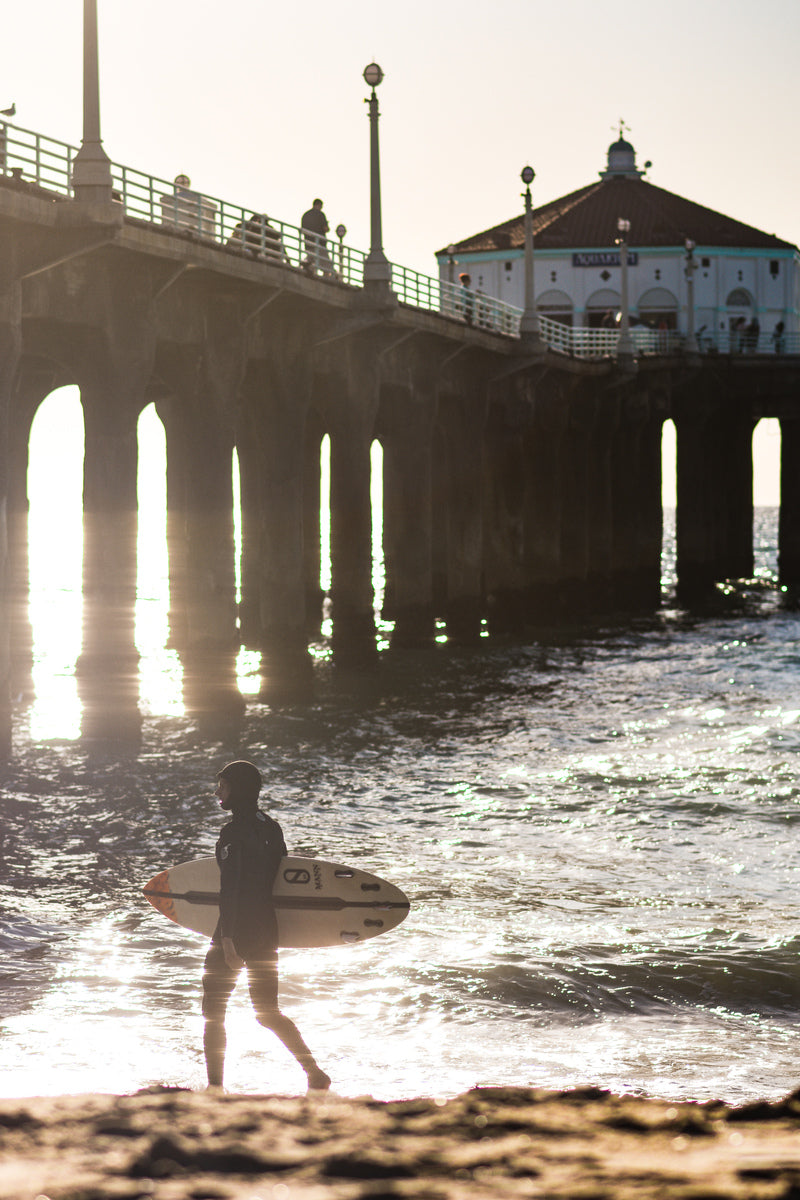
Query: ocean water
point(598, 831)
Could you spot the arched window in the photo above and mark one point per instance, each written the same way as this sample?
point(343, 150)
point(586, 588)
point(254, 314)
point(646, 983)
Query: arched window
point(739, 298)
point(740, 309)
point(658, 308)
point(602, 308)
point(556, 305)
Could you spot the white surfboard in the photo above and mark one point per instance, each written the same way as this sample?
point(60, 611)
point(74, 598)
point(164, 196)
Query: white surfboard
point(317, 903)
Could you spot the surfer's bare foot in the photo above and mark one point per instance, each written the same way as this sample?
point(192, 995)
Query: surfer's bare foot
point(318, 1081)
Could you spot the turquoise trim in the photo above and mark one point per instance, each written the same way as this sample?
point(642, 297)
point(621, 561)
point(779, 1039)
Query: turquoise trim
point(479, 256)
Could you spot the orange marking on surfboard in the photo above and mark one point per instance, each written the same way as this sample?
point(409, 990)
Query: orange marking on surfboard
point(164, 904)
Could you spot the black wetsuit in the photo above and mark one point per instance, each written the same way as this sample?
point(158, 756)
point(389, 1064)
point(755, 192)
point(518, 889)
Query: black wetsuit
point(249, 851)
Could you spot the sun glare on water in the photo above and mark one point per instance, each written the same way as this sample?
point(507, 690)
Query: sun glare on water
point(55, 488)
point(55, 527)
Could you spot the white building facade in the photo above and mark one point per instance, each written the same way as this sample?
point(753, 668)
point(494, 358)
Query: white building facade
point(739, 274)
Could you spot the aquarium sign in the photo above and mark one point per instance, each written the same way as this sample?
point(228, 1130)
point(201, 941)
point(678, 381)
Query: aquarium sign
point(603, 258)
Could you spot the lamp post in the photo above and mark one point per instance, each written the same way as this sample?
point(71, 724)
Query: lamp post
point(91, 168)
point(451, 263)
point(341, 230)
point(624, 345)
point(377, 269)
point(690, 346)
point(529, 322)
point(449, 298)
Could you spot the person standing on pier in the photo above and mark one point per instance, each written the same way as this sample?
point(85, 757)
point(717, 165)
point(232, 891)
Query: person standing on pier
point(467, 298)
point(248, 851)
point(314, 224)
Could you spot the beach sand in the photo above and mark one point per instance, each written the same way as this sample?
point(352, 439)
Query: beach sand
point(488, 1144)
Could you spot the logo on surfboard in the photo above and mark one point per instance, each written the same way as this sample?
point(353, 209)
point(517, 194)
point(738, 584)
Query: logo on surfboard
point(296, 875)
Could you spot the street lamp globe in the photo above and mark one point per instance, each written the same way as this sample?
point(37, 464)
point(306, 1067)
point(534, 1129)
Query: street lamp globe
point(527, 175)
point(373, 75)
point(341, 230)
point(623, 225)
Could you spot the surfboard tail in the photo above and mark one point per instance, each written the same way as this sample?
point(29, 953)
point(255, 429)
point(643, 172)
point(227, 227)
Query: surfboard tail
point(158, 893)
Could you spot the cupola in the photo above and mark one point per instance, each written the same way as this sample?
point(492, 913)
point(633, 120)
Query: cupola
point(621, 161)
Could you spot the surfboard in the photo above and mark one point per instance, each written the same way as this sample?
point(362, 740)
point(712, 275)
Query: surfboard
point(317, 903)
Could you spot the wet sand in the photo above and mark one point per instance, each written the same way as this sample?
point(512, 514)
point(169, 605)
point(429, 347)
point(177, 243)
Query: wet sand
point(488, 1144)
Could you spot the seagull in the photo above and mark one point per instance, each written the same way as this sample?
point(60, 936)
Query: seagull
point(9, 112)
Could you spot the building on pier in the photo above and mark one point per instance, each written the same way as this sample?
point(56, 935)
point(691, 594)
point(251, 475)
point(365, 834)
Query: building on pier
point(739, 271)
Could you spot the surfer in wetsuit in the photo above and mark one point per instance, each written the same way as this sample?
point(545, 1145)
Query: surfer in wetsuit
point(249, 851)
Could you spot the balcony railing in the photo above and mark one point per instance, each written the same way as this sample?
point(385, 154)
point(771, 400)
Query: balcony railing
point(601, 343)
point(731, 341)
point(176, 206)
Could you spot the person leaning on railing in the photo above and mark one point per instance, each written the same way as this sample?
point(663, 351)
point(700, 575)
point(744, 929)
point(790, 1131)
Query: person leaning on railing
point(257, 238)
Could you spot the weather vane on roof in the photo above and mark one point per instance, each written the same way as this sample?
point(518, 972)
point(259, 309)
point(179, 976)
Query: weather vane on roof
point(622, 127)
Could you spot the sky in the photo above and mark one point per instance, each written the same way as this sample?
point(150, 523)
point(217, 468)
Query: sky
point(263, 104)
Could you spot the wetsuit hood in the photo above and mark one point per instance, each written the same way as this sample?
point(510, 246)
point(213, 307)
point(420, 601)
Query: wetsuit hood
point(244, 781)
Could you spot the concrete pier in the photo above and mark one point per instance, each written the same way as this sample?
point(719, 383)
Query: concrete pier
point(789, 525)
point(462, 417)
point(108, 666)
point(10, 351)
point(272, 455)
point(715, 496)
point(517, 492)
point(406, 428)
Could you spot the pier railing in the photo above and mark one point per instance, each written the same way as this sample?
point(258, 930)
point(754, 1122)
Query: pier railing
point(32, 157)
point(29, 155)
point(587, 343)
point(733, 341)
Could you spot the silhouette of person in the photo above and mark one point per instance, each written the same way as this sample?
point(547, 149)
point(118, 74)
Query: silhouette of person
point(256, 236)
point(249, 851)
point(467, 298)
point(777, 337)
point(315, 225)
point(752, 333)
point(739, 339)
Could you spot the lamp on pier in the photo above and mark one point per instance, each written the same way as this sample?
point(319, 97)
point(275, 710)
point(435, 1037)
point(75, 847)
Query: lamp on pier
point(91, 167)
point(625, 344)
point(341, 230)
point(530, 338)
point(451, 263)
point(690, 345)
point(377, 268)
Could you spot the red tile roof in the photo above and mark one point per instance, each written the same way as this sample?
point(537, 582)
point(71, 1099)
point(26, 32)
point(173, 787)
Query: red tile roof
point(588, 217)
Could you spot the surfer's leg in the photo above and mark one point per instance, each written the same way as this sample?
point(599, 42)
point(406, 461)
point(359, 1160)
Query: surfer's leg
point(263, 980)
point(218, 983)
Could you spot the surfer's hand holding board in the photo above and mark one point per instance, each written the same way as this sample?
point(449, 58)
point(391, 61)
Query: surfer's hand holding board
point(252, 897)
point(232, 959)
